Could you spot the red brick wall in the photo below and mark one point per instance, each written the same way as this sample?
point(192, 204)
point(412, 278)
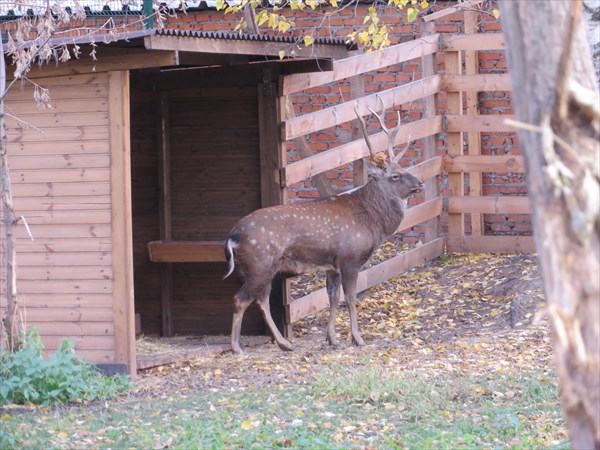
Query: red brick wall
point(341, 24)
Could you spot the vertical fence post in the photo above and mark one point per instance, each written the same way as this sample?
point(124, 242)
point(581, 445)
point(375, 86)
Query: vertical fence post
point(430, 104)
point(359, 169)
point(473, 137)
point(456, 183)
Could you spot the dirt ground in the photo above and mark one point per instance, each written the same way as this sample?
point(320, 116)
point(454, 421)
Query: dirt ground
point(480, 313)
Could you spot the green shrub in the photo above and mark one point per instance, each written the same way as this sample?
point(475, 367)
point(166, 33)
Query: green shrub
point(27, 378)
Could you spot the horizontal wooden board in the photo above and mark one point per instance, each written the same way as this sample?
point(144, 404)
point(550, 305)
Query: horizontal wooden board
point(420, 213)
point(478, 82)
point(75, 328)
point(82, 133)
point(64, 245)
point(52, 120)
point(74, 314)
point(362, 63)
point(68, 148)
point(336, 115)
point(68, 190)
point(65, 217)
point(346, 153)
point(482, 123)
point(489, 205)
point(71, 203)
point(75, 272)
point(62, 107)
point(75, 79)
point(427, 169)
point(315, 301)
point(64, 286)
point(67, 300)
point(59, 175)
point(484, 163)
point(64, 161)
point(58, 93)
point(480, 41)
point(178, 251)
point(82, 343)
point(491, 244)
point(59, 231)
point(64, 259)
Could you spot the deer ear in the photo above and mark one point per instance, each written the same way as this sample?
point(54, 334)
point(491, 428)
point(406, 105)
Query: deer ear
point(375, 170)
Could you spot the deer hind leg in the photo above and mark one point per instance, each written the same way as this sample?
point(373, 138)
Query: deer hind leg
point(265, 308)
point(349, 285)
point(333, 292)
point(241, 301)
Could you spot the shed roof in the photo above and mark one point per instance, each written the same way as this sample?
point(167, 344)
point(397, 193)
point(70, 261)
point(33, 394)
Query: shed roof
point(175, 48)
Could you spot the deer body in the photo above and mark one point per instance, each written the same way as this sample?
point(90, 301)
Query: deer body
point(336, 234)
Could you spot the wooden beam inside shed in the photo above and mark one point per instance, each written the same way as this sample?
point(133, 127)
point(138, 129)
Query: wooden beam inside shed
point(199, 44)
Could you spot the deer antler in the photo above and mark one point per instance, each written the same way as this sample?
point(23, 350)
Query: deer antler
point(363, 127)
point(391, 134)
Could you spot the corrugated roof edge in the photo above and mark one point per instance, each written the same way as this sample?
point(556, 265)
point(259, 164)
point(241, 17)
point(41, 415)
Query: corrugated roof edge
point(251, 37)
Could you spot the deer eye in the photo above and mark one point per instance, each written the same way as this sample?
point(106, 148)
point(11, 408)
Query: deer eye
point(396, 177)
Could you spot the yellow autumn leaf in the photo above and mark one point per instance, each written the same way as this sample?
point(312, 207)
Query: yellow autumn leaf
point(281, 54)
point(308, 40)
point(496, 13)
point(248, 424)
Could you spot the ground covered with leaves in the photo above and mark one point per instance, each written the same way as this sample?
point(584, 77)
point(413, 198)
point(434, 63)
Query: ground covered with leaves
point(458, 356)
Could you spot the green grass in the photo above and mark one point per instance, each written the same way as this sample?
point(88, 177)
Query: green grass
point(362, 407)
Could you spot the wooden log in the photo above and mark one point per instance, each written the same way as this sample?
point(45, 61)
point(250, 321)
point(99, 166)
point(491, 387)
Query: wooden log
point(354, 150)
point(490, 244)
point(489, 205)
point(345, 112)
point(315, 301)
point(484, 163)
point(190, 251)
point(362, 63)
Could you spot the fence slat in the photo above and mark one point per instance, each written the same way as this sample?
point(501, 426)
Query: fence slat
point(346, 153)
point(315, 301)
point(420, 213)
point(493, 244)
point(485, 163)
point(482, 41)
point(485, 123)
point(362, 63)
point(489, 205)
point(336, 115)
point(477, 82)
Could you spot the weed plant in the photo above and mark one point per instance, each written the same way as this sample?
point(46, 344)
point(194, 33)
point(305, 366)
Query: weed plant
point(26, 377)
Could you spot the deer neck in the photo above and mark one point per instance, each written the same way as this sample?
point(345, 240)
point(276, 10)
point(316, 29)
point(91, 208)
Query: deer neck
point(381, 211)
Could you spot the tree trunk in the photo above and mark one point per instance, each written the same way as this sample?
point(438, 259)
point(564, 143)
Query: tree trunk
point(553, 91)
point(12, 326)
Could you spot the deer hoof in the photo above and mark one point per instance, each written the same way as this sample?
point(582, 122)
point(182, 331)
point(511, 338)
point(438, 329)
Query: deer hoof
point(285, 346)
point(237, 350)
point(358, 342)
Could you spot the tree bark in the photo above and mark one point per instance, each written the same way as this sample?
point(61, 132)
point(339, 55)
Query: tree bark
point(550, 61)
point(12, 327)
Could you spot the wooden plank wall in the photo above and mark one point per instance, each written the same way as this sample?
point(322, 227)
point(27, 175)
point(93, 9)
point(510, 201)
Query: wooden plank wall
point(60, 169)
point(215, 180)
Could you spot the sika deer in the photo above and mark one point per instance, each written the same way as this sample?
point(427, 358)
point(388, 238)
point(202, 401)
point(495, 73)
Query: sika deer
point(337, 234)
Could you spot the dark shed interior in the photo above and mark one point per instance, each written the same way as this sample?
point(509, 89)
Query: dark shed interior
point(211, 119)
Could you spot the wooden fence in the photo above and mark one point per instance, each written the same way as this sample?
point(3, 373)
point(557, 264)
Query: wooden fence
point(461, 89)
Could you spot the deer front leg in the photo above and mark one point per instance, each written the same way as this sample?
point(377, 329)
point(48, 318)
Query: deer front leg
point(333, 292)
point(240, 305)
point(349, 285)
point(265, 308)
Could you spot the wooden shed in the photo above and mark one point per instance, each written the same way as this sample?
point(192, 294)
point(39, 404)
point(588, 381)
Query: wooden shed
point(167, 136)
